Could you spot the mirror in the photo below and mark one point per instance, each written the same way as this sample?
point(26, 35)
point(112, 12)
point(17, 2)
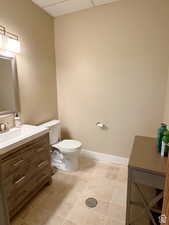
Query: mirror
point(9, 97)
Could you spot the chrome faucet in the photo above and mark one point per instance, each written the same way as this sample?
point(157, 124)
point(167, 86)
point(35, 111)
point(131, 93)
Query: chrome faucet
point(4, 127)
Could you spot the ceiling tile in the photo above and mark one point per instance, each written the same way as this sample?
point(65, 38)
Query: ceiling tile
point(68, 6)
point(45, 3)
point(102, 2)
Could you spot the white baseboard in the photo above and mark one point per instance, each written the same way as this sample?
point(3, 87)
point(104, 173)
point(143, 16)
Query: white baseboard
point(105, 157)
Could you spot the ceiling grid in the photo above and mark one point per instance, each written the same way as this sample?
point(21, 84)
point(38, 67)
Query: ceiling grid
point(61, 7)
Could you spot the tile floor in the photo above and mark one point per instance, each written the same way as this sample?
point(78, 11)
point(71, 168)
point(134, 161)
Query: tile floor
point(63, 202)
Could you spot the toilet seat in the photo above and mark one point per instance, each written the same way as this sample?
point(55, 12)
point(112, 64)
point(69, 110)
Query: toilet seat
point(68, 146)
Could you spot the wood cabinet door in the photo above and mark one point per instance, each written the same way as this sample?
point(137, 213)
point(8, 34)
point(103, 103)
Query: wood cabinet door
point(4, 217)
point(165, 211)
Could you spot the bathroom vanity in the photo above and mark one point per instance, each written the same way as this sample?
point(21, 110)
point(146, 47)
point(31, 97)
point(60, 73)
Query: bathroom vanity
point(25, 167)
point(25, 163)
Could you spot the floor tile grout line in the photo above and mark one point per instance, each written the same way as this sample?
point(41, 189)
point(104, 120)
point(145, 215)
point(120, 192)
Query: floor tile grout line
point(86, 189)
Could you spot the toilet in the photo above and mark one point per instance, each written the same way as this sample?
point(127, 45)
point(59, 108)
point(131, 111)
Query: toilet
point(66, 152)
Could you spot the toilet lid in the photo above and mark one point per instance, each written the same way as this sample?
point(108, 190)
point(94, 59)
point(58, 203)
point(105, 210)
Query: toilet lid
point(68, 145)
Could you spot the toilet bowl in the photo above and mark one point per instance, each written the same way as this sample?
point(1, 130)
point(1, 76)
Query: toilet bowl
point(69, 150)
point(66, 152)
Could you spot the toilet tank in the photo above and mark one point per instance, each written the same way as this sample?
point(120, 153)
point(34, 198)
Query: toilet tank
point(54, 127)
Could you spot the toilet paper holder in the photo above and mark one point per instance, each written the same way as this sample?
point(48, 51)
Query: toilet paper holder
point(100, 125)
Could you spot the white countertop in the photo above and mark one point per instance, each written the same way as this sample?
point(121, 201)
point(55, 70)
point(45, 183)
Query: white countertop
point(18, 136)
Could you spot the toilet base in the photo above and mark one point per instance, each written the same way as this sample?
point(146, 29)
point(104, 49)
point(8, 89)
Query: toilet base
point(66, 161)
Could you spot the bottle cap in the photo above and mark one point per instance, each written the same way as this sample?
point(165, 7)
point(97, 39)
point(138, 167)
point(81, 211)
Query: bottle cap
point(163, 124)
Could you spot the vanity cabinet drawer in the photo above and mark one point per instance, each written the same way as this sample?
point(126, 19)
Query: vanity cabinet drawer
point(43, 175)
point(14, 183)
point(17, 164)
point(24, 172)
point(152, 180)
point(31, 153)
point(11, 165)
point(40, 157)
point(29, 189)
point(16, 199)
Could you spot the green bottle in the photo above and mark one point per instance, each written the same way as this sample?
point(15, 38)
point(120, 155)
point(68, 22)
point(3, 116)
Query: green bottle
point(165, 144)
point(161, 132)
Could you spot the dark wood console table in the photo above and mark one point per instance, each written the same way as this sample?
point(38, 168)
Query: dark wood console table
point(146, 179)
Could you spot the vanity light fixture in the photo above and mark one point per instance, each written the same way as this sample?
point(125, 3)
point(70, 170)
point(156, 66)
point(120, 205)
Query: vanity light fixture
point(9, 41)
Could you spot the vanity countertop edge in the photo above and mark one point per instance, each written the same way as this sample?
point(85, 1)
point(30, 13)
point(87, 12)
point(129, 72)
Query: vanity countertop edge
point(23, 139)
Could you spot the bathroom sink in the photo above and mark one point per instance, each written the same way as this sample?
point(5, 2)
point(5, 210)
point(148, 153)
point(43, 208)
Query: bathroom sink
point(17, 136)
point(13, 133)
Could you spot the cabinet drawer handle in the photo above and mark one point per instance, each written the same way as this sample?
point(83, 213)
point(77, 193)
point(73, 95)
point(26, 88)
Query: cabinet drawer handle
point(20, 180)
point(42, 164)
point(40, 149)
point(19, 162)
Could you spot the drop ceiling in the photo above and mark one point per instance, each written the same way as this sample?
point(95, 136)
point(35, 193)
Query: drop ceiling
point(61, 7)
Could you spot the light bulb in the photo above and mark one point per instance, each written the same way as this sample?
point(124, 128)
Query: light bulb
point(12, 45)
point(2, 41)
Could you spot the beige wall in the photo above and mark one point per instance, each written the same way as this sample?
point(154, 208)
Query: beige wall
point(112, 65)
point(166, 111)
point(36, 63)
